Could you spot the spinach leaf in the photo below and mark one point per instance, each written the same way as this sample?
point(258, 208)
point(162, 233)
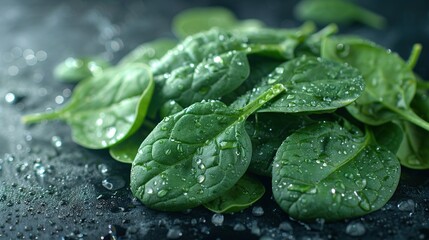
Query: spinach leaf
point(106, 109)
point(77, 69)
point(243, 194)
point(197, 20)
point(209, 79)
point(337, 11)
point(194, 156)
point(198, 62)
point(390, 83)
point(333, 171)
point(267, 132)
point(414, 150)
point(312, 85)
point(388, 135)
point(148, 52)
point(211, 64)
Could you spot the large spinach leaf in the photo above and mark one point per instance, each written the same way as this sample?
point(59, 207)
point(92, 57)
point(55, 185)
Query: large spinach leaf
point(243, 194)
point(107, 108)
point(332, 171)
point(194, 156)
point(390, 83)
point(312, 85)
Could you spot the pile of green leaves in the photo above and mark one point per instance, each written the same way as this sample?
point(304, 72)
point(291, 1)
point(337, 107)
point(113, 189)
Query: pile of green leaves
point(328, 118)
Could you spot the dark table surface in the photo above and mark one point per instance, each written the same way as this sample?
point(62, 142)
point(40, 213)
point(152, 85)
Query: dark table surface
point(51, 188)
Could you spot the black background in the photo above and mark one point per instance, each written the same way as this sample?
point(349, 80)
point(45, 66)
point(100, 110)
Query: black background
point(49, 191)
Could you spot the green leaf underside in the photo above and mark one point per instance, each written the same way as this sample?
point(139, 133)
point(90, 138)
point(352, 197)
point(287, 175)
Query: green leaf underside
point(194, 156)
point(312, 85)
point(243, 194)
point(390, 83)
point(337, 11)
point(332, 171)
point(267, 132)
point(108, 108)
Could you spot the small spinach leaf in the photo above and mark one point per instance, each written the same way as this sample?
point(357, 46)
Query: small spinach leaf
point(312, 85)
point(332, 171)
point(390, 83)
point(194, 156)
point(107, 108)
point(414, 150)
point(243, 194)
point(148, 52)
point(337, 11)
point(197, 20)
point(77, 69)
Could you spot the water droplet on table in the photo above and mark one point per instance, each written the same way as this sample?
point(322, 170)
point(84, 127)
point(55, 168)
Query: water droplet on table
point(257, 211)
point(407, 205)
point(355, 229)
point(217, 219)
point(113, 183)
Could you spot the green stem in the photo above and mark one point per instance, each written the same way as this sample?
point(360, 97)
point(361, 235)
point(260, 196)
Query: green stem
point(262, 99)
point(414, 56)
point(371, 19)
point(413, 117)
point(270, 49)
point(38, 117)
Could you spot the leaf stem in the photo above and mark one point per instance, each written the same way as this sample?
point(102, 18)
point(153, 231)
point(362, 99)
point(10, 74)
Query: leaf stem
point(414, 56)
point(38, 117)
point(414, 118)
point(262, 99)
point(372, 19)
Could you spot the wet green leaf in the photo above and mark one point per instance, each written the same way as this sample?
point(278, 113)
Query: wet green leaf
point(390, 83)
point(312, 85)
point(106, 109)
point(333, 171)
point(77, 69)
point(243, 194)
point(194, 156)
